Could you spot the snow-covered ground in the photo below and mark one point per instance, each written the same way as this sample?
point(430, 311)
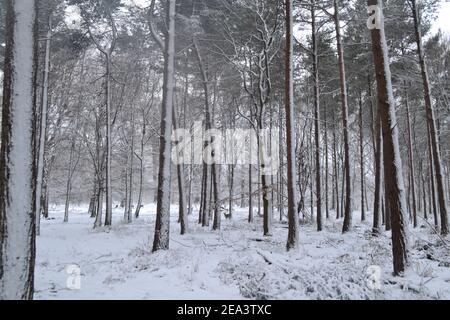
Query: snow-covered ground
point(236, 263)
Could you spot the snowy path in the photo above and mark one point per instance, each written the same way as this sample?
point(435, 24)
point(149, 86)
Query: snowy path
point(236, 263)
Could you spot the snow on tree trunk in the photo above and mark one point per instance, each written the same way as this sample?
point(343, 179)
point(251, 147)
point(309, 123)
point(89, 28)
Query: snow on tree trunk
point(17, 171)
point(293, 234)
point(344, 102)
point(108, 213)
point(411, 161)
point(162, 227)
point(316, 117)
point(395, 190)
point(361, 157)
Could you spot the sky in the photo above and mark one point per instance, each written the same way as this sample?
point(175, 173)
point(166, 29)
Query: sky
point(443, 19)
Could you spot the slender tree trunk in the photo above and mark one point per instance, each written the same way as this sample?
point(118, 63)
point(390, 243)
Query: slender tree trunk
point(361, 157)
point(377, 205)
point(293, 233)
point(182, 210)
point(231, 191)
point(43, 125)
point(69, 181)
point(130, 172)
point(99, 216)
point(141, 171)
point(343, 87)
point(125, 201)
point(411, 161)
point(316, 118)
point(433, 183)
point(327, 206)
point(281, 171)
point(250, 194)
point(108, 213)
point(336, 171)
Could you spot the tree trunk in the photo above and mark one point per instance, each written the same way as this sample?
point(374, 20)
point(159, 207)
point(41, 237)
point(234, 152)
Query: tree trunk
point(316, 118)
point(43, 125)
point(250, 194)
point(293, 234)
point(433, 183)
point(69, 181)
point(99, 217)
point(231, 191)
point(182, 211)
point(377, 205)
point(395, 192)
point(162, 227)
point(17, 158)
point(412, 173)
point(108, 214)
point(141, 172)
point(343, 87)
point(361, 158)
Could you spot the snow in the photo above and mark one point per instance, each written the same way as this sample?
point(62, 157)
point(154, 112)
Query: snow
point(236, 263)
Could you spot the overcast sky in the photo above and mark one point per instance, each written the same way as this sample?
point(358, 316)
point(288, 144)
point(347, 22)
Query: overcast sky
point(443, 20)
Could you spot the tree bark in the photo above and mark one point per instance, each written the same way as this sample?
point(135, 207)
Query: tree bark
point(17, 156)
point(361, 158)
point(293, 223)
point(316, 117)
point(344, 101)
point(395, 192)
point(162, 226)
point(412, 172)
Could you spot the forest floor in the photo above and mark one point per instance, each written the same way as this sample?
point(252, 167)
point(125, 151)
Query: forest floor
point(236, 263)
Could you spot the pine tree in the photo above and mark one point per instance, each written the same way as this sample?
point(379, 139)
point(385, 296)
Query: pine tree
point(395, 191)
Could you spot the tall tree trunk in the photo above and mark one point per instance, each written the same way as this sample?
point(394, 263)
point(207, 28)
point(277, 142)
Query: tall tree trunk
point(336, 169)
point(17, 158)
point(43, 125)
point(130, 172)
point(412, 173)
point(250, 194)
point(182, 211)
point(231, 191)
point(141, 170)
point(281, 171)
point(108, 213)
point(433, 182)
point(431, 122)
point(395, 192)
point(361, 157)
point(344, 101)
point(293, 234)
point(69, 181)
point(162, 226)
point(377, 205)
point(316, 117)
